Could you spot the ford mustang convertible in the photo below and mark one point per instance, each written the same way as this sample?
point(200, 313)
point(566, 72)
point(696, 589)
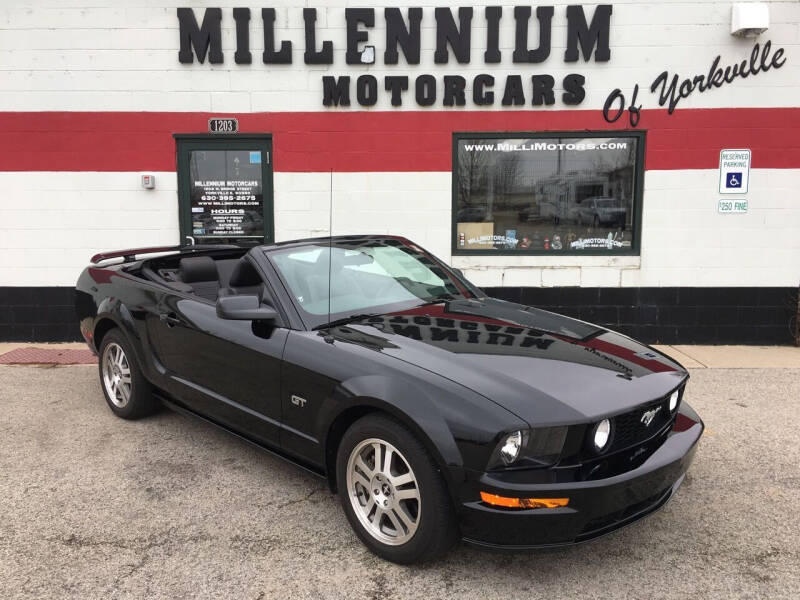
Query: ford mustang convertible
point(434, 411)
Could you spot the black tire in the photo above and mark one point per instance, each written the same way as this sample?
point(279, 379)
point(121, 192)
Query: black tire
point(436, 530)
point(139, 401)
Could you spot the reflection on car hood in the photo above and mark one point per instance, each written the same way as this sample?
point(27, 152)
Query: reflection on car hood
point(544, 367)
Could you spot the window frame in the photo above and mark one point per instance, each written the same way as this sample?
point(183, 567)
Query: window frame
point(638, 190)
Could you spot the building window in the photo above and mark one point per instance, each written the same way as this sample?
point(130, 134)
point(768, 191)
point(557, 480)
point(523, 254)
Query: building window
point(550, 193)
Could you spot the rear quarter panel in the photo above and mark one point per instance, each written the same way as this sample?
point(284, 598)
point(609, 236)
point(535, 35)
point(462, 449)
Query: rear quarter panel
point(107, 295)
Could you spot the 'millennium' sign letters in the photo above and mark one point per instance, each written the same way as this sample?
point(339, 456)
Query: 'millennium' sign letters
point(586, 38)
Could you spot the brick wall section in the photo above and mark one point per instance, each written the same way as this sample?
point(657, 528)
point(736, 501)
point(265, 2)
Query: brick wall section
point(653, 315)
point(38, 314)
point(737, 315)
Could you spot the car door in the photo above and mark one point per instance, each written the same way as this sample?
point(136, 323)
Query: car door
point(226, 370)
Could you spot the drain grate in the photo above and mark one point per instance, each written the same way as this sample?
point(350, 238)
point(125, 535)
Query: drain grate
point(48, 356)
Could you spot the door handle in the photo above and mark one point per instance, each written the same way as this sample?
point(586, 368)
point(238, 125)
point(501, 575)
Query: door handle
point(170, 320)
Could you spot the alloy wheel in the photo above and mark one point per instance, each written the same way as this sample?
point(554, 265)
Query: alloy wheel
point(116, 375)
point(383, 491)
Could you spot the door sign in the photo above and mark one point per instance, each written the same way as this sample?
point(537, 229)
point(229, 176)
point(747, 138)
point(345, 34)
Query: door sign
point(226, 194)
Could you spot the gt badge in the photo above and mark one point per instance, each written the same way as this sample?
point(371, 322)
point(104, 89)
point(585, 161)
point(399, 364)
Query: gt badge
point(298, 401)
point(649, 415)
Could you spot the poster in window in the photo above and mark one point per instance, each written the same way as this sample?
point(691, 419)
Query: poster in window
point(226, 191)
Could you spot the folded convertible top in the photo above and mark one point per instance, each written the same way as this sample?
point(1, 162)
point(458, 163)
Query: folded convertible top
point(130, 254)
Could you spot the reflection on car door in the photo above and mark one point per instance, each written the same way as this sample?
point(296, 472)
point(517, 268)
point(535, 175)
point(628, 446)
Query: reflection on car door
point(228, 371)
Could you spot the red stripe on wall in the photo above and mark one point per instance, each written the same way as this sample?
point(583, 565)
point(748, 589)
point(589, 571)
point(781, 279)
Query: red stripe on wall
point(380, 141)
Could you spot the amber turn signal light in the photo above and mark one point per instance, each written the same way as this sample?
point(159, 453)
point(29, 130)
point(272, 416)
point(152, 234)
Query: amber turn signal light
point(496, 500)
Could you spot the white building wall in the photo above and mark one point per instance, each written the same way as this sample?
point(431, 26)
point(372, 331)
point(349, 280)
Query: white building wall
point(125, 57)
point(52, 222)
point(73, 55)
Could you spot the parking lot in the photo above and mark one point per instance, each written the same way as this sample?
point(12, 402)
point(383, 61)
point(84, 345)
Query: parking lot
point(92, 506)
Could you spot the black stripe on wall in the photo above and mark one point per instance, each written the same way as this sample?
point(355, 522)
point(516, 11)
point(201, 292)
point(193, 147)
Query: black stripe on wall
point(38, 314)
point(675, 315)
point(654, 315)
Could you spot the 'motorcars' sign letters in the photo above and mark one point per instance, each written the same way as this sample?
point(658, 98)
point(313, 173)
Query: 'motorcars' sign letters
point(585, 37)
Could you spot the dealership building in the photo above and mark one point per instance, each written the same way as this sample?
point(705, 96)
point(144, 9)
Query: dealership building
point(634, 164)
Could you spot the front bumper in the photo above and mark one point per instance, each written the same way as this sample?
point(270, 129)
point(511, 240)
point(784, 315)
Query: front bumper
point(596, 506)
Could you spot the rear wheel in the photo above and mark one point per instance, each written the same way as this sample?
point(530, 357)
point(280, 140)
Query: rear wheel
point(392, 492)
point(128, 393)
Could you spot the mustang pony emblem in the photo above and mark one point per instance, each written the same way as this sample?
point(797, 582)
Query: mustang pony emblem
point(649, 415)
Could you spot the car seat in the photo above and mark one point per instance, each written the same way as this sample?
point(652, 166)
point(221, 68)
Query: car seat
point(200, 272)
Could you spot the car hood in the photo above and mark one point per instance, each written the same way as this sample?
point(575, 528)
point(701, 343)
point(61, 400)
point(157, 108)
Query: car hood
point(543, 367)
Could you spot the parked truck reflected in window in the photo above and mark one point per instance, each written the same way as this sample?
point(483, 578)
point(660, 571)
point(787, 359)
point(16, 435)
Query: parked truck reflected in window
point(567, 194)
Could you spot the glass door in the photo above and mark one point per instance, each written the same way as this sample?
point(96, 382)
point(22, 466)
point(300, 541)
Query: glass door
point(225, 189)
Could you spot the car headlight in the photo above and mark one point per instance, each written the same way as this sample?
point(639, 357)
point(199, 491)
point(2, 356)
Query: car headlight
point(509, 450)
point(601, 435)
point(673, 400)
point(529, 448)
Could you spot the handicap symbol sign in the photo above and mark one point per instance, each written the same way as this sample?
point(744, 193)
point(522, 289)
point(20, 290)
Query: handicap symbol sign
point(734, 170)
point(733, 179)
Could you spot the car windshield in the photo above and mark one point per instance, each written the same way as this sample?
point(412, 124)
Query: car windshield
point(367, 276)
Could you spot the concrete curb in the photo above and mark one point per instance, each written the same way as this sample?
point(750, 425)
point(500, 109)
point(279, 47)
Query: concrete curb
point(691, 357)
point(734, 357)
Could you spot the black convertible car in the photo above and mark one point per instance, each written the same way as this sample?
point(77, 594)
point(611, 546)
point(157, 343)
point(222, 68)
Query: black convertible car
point(435, 411)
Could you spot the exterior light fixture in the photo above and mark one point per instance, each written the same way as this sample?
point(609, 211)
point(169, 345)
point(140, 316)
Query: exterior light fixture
point(749, 19)
point(601, 435)
point(673, 400)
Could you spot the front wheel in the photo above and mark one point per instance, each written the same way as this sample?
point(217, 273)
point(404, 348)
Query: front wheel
point(392, 492)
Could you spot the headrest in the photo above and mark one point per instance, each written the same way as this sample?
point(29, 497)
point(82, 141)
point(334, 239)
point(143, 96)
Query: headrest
point(244, 274)
point(198, 268)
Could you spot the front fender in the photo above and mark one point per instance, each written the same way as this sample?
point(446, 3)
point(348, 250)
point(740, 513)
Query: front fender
point(407, 402)
point(458, 427)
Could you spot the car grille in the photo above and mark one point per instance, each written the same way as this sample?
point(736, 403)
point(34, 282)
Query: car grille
point(630, 430)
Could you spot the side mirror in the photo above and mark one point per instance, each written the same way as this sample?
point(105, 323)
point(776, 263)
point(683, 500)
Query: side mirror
point(458, 272)
point(244, 308)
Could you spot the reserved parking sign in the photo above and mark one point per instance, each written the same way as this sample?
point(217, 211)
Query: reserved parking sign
point(734, 171)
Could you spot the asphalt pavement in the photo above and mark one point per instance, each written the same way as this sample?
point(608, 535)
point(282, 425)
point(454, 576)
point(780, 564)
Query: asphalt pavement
point(92, 506)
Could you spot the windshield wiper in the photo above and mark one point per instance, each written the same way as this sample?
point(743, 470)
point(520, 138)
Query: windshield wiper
point(439, 298)
point(346, 320)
